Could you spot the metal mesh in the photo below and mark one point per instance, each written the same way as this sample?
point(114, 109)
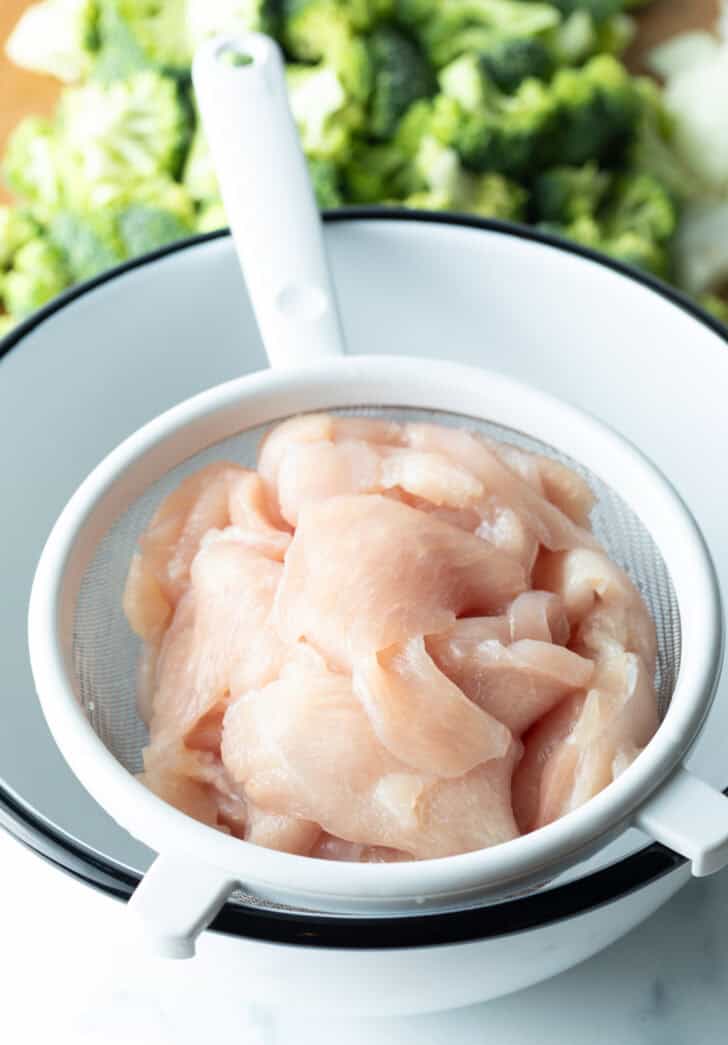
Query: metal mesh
point(106, 653)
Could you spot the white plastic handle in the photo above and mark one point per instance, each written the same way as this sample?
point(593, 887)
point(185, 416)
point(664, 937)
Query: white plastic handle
point(176, 899)
point(269, 203)
point(690, 817)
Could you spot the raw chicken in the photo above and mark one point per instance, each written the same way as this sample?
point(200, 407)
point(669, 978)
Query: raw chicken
point(305, 746)
point(516, 684)
point(364, 573)
point(602, 604)
point(422, 717)
point(392, 642)
point(583, 745)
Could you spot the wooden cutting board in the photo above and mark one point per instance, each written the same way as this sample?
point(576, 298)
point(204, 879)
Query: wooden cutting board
point(22, 93)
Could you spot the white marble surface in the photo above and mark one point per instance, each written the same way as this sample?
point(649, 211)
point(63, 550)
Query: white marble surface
point(69, 974)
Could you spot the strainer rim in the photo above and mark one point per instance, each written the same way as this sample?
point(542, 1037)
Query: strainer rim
point(360, 370)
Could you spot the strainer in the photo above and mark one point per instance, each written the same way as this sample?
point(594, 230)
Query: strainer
point(84, 658)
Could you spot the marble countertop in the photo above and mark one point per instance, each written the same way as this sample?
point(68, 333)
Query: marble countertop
point(69, 973)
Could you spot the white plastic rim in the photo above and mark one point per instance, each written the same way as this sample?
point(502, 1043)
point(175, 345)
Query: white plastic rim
point(383, 381)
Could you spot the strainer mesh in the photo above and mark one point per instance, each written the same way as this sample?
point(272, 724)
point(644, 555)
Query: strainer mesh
point(106, 653)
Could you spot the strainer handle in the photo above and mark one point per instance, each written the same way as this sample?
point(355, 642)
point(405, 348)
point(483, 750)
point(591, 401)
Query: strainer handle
point(176, 899)
point(241, 93)
point(690, 817)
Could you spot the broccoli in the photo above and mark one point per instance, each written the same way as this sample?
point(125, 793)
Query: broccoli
point(598, 108)
point(325, 179)
point(465, 81)
point(134, 35)
point(640, 205)
point(326, 31)
point(119, 135)
point(88, 243)
point(36, 275)
point(143, 228)
point(211, 217)
point(56, 37)
point(511, 61)
point(371, 174)
point(563, 195)
point(630, 216)
point(32, 165)
point(16, 229)
point(455, 27)
point(199, 176)
point(323, 113)
point(599, 10)
point(400, 75)
point(206, 19)
point(512, 136)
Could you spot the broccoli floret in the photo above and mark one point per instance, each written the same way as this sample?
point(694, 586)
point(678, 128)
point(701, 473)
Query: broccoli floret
point(87, 243)
point(465, 81)
point(640, 205)
point(119, 135)
point(141, 34)
point(327, 31)
point(598, 108)
point(443, 178)
point(563, 195)
point(206, 19)
point(199, 176)
point(599, 10)
point(512, 136)
point(32, 165)
point(211, 217)
point(326, 182)
point(400, 75)
point(56, 37)
point(371, 175)
point(455, 27)
point(6, 321)
point(322, 110)
point(16, 229)
point(142, 228)
point(509, 62)
point(37, 274)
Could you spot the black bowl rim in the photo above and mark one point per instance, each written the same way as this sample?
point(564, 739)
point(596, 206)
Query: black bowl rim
point(514, 915)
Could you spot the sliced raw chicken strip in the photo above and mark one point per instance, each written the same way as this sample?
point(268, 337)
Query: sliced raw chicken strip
point(502, 485)
point(560, 485)
point(604, 607)
point(315, 471)
point(172, 539)
point(220, 642)
point(516, 684)
point(538, 615)
point(250, 515)
point(577, 751)
point(305, 747)
point(365, 572)
point(422, 717)
point(284, 833)
point(507, 530)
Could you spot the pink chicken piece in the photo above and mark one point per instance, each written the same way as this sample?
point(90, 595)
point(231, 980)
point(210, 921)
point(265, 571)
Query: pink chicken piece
point(421, 716)
point(503, 486)
point(560, 485)
point(196, 783)
point(314, 471)
point(538, 615)
point(219, 643)
point(303, 746)
point(328, 847)
point(516, 683)
point(605, 609)
point(585, 742)
point(365, 572)
point(250, 515)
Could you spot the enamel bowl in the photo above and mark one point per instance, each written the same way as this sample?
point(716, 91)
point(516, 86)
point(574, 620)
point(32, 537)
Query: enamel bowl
point(98, 363)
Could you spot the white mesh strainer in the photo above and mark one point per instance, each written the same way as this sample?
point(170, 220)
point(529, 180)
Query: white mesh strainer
point(83, 655)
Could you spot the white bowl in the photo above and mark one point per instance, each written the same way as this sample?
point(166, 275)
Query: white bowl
point(149, 335)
